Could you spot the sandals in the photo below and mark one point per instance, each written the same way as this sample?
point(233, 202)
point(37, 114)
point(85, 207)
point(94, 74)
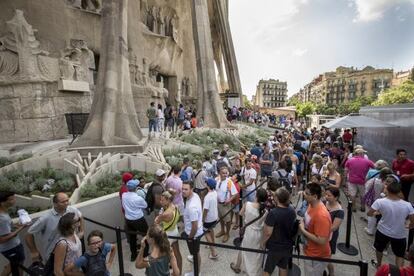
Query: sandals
point(235, 227)
point(235, 269)
point(213, 257)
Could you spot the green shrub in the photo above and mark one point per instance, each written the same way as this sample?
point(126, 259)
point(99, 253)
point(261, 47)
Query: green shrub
point(4, 161)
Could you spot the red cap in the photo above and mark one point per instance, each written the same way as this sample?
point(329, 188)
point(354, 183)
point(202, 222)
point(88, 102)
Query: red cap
point(126, 177)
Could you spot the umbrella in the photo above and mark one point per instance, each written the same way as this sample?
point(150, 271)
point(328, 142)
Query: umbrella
point(356, 121)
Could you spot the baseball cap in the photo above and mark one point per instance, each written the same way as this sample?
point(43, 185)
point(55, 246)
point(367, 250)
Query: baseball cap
point(132, 184)
point(126, 177)
point(216, 151)
point(211, 183)
point(159, 172)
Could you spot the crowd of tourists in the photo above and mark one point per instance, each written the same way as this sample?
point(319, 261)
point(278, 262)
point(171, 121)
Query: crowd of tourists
point(249, 191)
point(163, 119)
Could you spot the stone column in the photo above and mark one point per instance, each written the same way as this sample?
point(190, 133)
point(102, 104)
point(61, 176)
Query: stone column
point(222, 21)
point(113, 119)
point(209, 105)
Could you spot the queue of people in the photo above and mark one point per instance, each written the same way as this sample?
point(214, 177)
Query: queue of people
point(194, 198)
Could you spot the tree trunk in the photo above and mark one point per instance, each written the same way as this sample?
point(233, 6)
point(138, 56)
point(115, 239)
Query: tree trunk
point(113, 119)
point(208, 101)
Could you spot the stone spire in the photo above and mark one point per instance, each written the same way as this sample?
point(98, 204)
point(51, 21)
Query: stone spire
point(209, 105)
point(113, 119)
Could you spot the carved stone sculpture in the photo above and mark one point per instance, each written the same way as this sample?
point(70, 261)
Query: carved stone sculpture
point(80, 59)
point(89, 5)
point(113, 119)
point(173, 28)
point(21, 58)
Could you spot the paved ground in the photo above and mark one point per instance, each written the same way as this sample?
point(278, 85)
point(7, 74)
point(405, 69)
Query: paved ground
point(226, 256)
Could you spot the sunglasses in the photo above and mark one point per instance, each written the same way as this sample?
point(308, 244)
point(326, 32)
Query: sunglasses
point(95, 243)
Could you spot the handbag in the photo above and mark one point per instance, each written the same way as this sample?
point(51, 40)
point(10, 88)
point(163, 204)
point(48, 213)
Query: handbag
point(50, 264)
point(238, 241)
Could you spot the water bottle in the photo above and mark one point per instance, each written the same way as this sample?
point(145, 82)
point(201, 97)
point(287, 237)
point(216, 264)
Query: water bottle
point(161, 211)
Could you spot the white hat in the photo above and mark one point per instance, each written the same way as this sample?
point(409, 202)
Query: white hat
point(159, 172)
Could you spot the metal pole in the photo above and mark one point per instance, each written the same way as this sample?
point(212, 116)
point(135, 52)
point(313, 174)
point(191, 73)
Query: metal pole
point(120, 253)
point(363, 266)
point(196, 242)
point(346, 247)
point(240, 207)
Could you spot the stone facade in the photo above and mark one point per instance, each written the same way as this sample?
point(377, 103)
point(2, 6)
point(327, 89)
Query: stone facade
point(346, 84)
point(52, 69)
point(271, 94)
point(402, 76)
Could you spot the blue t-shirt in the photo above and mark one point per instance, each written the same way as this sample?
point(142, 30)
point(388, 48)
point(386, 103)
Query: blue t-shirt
point(82, 261)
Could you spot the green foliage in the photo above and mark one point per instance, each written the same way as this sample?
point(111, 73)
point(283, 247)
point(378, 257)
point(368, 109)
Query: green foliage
point(397, 95)
point(246, 102)
point(304, 109)
point(32, 182)
point(4, 161)
point(293, 101)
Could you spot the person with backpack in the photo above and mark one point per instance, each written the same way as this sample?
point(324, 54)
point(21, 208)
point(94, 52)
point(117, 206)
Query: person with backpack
point(95, 261)
point(155, 190)
point(392, 270)
point(283, 177)
point(373, 190)
point(226, 193)
point(278, 234)
point(169, 119)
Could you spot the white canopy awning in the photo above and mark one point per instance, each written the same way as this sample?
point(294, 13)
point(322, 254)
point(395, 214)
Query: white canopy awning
point(355, 121)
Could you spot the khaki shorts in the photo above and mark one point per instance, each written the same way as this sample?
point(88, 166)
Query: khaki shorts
point(354, 188)
point(314, 268)
point(223, 210)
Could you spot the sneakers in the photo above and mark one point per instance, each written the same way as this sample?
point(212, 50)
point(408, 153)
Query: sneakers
point(189, 274)
point(190, 258)
point(368, 232)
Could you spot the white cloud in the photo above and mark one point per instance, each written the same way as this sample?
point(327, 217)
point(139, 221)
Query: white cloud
point(299, 52)
point(371, 10)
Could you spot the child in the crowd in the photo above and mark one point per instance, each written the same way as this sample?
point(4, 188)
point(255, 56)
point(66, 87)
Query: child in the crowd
point(95, 260)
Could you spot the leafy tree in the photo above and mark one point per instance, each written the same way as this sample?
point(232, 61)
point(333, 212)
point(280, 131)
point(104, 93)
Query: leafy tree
point(304, 109)
point(293, 101)
point(397, 95)
point(247, 103)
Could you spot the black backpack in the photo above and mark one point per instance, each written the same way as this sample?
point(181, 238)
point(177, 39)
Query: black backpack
point(96, 265)
point(284, 181)
point(149, 198)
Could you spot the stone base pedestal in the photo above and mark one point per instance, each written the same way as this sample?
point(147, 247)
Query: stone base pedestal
point(83, 151)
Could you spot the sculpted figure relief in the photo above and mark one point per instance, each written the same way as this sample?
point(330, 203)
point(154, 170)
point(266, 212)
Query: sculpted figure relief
point(162, 21)
point(77, 62)
point(89, 5)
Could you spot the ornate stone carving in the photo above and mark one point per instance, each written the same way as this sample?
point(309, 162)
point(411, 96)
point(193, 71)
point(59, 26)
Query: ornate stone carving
point(21, 58)
point(162, 21)
point(88, 5)
point(77, 62)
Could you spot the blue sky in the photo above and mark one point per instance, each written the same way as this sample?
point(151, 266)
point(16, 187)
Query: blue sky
point(295, 40)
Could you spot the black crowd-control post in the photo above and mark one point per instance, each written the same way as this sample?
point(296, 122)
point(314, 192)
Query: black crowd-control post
point(240, 207)
point(346, 247)
point(363, 268)
point(195, 257)
point(120, 255)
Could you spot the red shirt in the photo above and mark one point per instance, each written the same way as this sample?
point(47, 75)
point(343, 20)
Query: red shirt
point(403, 167)
point(384, 270)
point(123, 189)
point(347, 137)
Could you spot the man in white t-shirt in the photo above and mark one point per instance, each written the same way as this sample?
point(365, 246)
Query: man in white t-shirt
point(210, 214)
point(226, 192)
point(193, 220)
point(392, 227)
point(249, 175)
